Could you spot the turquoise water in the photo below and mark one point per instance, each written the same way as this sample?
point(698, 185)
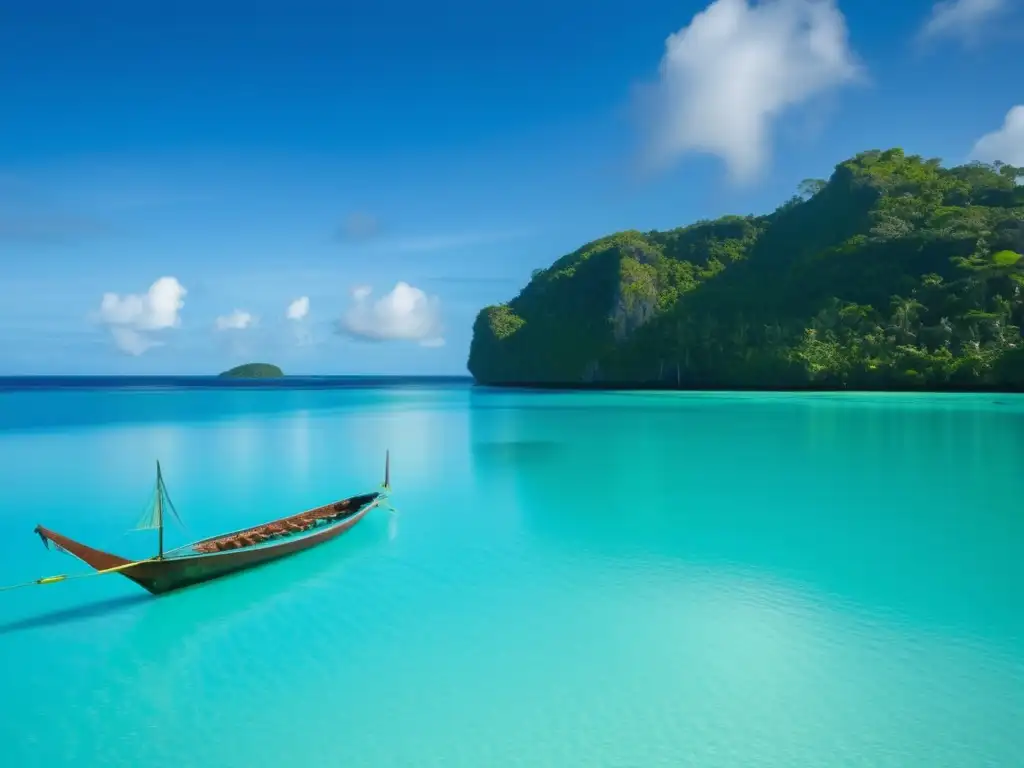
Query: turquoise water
point(572, 580)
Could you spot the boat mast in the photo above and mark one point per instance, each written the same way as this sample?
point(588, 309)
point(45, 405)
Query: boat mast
point(160, 511)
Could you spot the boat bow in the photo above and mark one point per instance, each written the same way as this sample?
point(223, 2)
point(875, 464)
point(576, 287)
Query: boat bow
point(94, 558)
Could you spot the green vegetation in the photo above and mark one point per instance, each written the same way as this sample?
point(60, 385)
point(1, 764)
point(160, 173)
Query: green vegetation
point(254, 371)
point(895, 273)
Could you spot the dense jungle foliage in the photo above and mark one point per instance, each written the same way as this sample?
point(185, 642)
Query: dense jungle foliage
point(253, 371)
point(895, 273)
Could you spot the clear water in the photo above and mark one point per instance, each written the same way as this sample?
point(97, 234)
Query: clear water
point(572, 580)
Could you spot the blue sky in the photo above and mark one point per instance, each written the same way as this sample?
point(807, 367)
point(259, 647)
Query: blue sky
point(399, 165)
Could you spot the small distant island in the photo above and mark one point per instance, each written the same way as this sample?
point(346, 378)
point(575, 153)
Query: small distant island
point(253, 371)
point(894, 274)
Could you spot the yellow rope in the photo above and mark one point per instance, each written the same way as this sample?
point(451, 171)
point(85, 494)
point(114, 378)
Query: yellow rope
point(65, 577)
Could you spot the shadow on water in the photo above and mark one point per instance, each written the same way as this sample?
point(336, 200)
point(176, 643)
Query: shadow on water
point(78, 613)
point(221, 598)
point(183, 626)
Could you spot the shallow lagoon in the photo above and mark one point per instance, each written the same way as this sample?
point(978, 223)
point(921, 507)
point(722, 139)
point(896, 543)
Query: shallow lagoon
point(574, 579)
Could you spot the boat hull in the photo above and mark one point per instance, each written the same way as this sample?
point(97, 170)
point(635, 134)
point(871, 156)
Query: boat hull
point(160, 576)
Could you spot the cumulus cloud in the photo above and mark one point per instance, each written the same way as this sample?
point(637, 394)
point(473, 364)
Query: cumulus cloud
point(724, 78)
point(131, 318)
point(158, 308)
point(1005, 145)
point(405, 313)
point(131, 341)
point(298, 309)
point(297, 313)
point(964, 19)
point(238, 320)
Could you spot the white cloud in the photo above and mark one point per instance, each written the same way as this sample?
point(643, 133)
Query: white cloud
point(1005, 145)
point(298, 309)
point(736, 68)
point(238, 320)
point(405, 313)
point(297, 312)
point(131, 341)
point(961, 18)
point(156, 309)
point(132, 316)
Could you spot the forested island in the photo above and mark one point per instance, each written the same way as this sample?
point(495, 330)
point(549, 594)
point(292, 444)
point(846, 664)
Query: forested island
point(253, 371)
point(895, 273)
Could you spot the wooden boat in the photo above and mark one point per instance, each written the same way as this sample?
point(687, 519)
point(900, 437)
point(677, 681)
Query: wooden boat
point(227, 553)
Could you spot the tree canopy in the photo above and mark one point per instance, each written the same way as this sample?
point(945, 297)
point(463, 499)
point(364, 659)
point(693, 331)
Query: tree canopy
point(893, 273)
point(254, 371)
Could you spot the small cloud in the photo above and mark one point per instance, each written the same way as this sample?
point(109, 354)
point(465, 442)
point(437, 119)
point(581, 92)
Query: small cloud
point(964, 19)
point(298, 309)
point(131, 341)
point(238, 320)
point(405, 313)
point(358, 226)
point(158, 308)
point(1005, 145)
point(297, 312)
point(132, 317)
point(726, 77)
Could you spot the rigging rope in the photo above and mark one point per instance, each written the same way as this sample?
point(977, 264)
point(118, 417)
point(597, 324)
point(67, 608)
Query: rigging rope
point(65, 577)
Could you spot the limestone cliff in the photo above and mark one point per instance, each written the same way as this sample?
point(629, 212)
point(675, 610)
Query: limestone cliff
point(895, 273)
